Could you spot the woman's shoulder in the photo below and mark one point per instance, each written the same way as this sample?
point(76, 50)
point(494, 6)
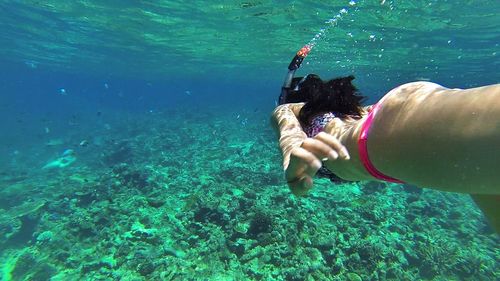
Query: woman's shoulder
point(287, 107)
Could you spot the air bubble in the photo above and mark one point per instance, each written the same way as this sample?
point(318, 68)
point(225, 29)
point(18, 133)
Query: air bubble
point(330, 23)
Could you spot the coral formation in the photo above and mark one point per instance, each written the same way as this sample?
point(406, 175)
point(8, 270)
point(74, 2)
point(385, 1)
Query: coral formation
point(167, 205)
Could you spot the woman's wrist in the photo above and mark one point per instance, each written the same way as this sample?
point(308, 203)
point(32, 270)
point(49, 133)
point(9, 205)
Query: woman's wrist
point(288, 141)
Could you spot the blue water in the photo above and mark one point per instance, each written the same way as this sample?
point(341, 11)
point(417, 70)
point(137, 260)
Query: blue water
point(165, 106)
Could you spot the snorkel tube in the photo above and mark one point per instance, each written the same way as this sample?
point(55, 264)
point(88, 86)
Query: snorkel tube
point(292, 67)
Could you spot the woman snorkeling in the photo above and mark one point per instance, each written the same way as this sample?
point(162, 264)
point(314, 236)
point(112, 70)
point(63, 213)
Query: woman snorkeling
point(419, 133)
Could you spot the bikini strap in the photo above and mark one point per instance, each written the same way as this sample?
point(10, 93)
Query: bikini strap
point(363, 147)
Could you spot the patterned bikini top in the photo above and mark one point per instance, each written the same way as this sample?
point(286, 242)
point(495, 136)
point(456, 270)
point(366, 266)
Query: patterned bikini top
point(318, 123)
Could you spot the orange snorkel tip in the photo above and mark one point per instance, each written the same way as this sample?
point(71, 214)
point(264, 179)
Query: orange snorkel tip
point(304, 51)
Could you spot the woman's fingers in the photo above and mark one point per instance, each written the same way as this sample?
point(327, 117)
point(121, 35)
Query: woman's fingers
point(302, 162)
point(299, 174)
point(333, 143)
point(320, 149)
point(302, 186)
point(305, 161)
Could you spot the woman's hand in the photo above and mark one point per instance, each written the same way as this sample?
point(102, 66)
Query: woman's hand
point(307, 159)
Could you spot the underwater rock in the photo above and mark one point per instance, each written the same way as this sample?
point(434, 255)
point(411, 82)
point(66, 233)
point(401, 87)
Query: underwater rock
point(206, 214)
point(351, 276)
point(45, 237)
point(238, 247)
point(437, 256)
point(241, 227)
point(18, 223)
point(252, 254)
point(85, 198)
point(54, 142)
point(323, 242)
point(131, 177)
point(27, 208)
point(413, 189)
point(140, 233)
point(28, 267)
point(12, 177)
point(123, 250)
point(95, 266)
point(62, 256)
point(373, 187)
point(120, 152)
point(261, 223)
point(82, 225)
point(24, 263)
point(146, 268)
point(67, 158)
point(155, 202)
point(170, 251)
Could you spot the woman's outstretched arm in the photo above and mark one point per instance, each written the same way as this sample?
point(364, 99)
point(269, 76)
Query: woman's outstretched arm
point(288, 127)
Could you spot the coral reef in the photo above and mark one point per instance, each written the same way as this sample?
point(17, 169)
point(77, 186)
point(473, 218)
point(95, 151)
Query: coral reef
point(170, 204)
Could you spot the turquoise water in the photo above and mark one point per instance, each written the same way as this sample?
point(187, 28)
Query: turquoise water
point(135, 141)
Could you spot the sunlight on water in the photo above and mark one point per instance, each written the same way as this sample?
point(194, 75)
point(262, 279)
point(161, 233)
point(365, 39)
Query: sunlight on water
point(176, 37)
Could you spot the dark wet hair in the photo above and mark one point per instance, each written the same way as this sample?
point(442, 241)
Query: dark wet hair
point(337, 95)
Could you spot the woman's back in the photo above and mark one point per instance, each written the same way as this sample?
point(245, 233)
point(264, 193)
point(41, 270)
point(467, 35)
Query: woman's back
point(445, 138)
point(318, 123)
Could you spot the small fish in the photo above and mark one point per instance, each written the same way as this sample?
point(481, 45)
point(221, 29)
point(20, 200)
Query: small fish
point(423, 79)
point(84, 143)
point(62, 91)
point(31, 64)
point(68, 152)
